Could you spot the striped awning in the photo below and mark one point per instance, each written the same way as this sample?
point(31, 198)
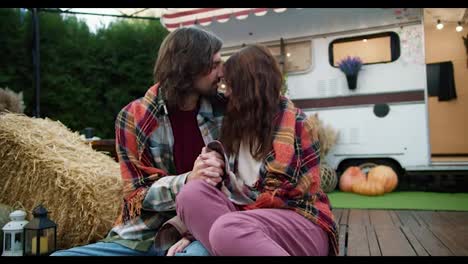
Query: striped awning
point(180, 17)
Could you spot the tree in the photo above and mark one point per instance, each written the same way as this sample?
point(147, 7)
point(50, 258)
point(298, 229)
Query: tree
point(86, 78)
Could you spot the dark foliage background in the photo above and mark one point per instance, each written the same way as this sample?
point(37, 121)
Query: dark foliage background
point(86, 77)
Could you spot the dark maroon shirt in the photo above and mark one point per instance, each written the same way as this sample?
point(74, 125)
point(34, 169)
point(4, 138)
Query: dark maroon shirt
point(188, 141)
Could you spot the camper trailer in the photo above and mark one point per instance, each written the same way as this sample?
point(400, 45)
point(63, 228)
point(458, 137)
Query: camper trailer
point(390, 117)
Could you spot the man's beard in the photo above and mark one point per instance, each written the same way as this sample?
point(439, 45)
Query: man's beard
point(209, 92)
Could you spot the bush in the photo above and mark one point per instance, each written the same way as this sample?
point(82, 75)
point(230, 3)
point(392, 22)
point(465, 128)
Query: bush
point(86, 78)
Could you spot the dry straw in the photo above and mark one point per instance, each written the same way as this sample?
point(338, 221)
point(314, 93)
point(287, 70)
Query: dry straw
point(11, 101)
point(43, 161)
point(328, 136)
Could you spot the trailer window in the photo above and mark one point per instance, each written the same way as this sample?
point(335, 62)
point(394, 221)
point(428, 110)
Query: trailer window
point(298, 55)
point(374, 48)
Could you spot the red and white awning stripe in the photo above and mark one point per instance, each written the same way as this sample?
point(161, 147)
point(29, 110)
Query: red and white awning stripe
point(181, 17)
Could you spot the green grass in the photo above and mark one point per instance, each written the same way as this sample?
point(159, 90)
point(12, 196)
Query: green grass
point(401, 200)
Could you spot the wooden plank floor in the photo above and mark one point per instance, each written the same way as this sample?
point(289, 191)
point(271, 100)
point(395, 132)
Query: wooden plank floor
point(402, 232)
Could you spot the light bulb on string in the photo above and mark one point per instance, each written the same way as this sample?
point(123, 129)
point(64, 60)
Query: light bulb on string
point(459, 28)
point(439, 24)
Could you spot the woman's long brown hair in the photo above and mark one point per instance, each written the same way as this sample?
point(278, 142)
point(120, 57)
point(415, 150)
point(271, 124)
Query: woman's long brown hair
point(254, 80)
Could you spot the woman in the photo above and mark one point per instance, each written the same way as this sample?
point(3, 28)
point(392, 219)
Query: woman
point(272, 204)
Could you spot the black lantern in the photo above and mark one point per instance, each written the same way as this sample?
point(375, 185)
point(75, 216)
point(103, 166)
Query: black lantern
point(40, 234)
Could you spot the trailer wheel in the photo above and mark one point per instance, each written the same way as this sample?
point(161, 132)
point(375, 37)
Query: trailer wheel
point(367, 166)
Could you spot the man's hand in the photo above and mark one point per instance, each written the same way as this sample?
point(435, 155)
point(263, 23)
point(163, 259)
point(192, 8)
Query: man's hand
point(178, 247)
point(209, 166)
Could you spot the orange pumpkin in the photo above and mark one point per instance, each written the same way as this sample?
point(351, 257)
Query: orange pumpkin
point(369, 188)
point(350, 176)
point(384, 175)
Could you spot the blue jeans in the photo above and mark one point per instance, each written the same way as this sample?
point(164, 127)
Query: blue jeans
point(101, 249)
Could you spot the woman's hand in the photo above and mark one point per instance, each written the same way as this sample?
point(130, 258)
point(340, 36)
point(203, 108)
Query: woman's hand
point(209, 166)
point(178, 247)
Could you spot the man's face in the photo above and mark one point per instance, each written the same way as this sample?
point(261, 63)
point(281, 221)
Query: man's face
point(208, 84)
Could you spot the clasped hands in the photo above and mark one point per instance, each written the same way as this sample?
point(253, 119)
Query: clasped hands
point(209, 166)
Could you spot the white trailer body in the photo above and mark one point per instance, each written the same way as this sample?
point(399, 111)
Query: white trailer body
point(403, 134)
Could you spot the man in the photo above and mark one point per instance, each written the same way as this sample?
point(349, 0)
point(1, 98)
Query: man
point(160, 141)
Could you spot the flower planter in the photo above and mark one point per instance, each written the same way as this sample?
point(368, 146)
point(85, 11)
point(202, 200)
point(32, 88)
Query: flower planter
point(351, 66)
point(352, 81)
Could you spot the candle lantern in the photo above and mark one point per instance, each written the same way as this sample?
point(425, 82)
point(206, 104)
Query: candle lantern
point(13, 234)
point(40, 234)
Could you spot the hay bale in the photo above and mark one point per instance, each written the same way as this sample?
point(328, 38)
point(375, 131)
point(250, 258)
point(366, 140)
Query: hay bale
point(328, 136)
point(11, 101)
point(43, 161)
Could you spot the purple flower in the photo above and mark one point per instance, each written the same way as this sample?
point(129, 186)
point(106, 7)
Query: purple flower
point(350, 65)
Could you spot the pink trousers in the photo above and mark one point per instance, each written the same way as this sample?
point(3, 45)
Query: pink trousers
point(225, 231)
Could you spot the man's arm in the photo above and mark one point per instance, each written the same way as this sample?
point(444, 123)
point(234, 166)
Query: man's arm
point(162, 193)
point(146, 186)
point(137, 172)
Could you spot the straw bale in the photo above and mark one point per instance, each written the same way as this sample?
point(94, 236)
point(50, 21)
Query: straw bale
point(328, 136)
point(41, 160)
point(11, 101)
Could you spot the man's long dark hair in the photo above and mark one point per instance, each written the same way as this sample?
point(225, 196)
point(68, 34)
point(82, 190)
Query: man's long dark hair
point(254, 79)
point(185, 54)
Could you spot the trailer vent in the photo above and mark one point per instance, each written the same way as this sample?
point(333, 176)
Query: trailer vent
point(333, 86)
point(322, 88)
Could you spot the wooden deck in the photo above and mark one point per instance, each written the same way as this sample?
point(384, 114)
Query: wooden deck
point(402, 233)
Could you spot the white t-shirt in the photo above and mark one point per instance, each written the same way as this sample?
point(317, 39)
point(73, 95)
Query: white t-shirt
point(248, 167)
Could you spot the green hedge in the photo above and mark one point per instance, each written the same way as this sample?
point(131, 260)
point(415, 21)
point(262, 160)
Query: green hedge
point(86, 78)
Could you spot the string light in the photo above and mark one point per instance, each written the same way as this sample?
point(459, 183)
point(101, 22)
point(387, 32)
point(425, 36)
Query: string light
point(439, 24)
point(459, 28)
